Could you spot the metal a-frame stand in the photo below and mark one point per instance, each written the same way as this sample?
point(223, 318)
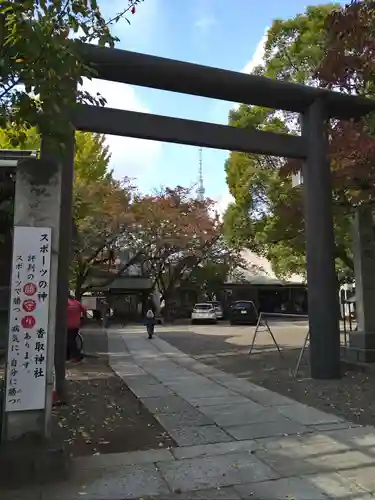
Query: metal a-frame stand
point(302, 352)
point(263, 323)
point(263, 326)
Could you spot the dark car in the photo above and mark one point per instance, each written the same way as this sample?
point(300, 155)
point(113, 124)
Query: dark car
point(243, 312)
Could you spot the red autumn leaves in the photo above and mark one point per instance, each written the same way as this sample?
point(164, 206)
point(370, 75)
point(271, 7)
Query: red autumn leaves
point(349, 67)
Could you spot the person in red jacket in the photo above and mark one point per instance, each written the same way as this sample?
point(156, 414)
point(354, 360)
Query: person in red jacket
point(73, 323)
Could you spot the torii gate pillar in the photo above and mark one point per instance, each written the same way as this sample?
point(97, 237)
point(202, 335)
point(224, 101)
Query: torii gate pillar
point(323, 298)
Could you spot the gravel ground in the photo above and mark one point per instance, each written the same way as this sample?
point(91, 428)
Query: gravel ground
point(103, 415)
point(352, 397)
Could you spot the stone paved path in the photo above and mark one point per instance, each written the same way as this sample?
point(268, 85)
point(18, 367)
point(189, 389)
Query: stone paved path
point(236, 440)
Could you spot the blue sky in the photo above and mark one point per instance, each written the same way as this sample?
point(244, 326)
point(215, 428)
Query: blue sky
point(220, 33)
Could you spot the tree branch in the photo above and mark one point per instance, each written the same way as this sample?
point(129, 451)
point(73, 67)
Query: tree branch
point(342, 254)
point(123, 268)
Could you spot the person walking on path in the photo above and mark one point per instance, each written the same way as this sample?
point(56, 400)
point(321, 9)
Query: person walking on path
point(74, 315)
point(150, 322)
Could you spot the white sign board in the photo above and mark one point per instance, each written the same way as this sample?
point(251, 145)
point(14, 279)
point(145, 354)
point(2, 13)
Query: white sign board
point(28, 319)
point(89, 303)
point(297, 179)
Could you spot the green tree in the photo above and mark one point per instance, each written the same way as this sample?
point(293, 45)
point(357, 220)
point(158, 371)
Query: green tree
point(259, 218)
point(179, 232)
point(208, 278)
point(41, 73)
point(103, 217)
point(169, 234)
point(92, 156)
point(94, 192)
point(39, 64)
point(267, 213)
point(295, 47)
point(211, 273)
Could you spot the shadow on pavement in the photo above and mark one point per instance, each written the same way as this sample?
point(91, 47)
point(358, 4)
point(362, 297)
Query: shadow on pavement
point(352, 397)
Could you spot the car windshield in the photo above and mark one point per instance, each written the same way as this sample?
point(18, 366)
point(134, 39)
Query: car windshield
point(243, 305)
point(203, 307)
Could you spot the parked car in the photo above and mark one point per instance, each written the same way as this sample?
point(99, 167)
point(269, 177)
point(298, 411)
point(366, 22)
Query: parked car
point(243, 312)
point(203, 313)
point(218, 308)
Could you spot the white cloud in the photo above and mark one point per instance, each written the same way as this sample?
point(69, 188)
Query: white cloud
point(256, 59)
point(223, 201)
point(205, 22)
point(258, 55)
point(130, 157)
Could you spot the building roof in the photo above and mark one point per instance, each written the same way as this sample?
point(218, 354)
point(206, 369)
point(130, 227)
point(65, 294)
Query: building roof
point(259, 272)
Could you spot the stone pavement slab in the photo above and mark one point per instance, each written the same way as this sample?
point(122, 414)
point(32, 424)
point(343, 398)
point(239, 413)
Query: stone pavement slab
point(361, 476)
point(267, 398)
point(188, 418)
point(213, 472)
point(361, 437)
point(121, 459)
point(166, 404)
point(333, 427)
point(265, 429)
point(215, 449)
point(271, 443)
point(336, 486)
point(233, 415)
point(235, 439)
point(200, 385)
point(127, 370)
point(148, 388)
point(306, 415)
point(226, 493)
point(198, 389)
point(193, 435)
point(232, 398)
point(297, 468)
point(290, 488)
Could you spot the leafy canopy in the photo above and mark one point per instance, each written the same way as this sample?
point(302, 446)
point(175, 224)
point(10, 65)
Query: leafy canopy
point(267, 213)
point(91, 169)
point(169, 234)
point(92, 156)
point(40, 67)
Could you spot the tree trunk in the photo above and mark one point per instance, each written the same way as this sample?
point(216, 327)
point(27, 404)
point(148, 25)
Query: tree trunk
point(168, 312)
point(6, 246)
point(5, 266)
point(342, 254)
point(79, 290)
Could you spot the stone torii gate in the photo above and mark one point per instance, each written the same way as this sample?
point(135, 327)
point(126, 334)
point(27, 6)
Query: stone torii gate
point(315, 106)
point(52, 180)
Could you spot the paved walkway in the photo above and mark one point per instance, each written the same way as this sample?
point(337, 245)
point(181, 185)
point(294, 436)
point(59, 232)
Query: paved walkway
point(236, 440)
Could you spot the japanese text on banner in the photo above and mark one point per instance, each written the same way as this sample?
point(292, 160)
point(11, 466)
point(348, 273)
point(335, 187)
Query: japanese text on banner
point(28, 319)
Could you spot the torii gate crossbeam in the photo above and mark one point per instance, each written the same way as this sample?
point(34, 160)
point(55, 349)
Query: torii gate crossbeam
point(181, 131)
point(316, 106)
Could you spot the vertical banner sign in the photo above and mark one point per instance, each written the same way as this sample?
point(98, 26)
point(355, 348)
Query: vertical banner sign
point(28, 319)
